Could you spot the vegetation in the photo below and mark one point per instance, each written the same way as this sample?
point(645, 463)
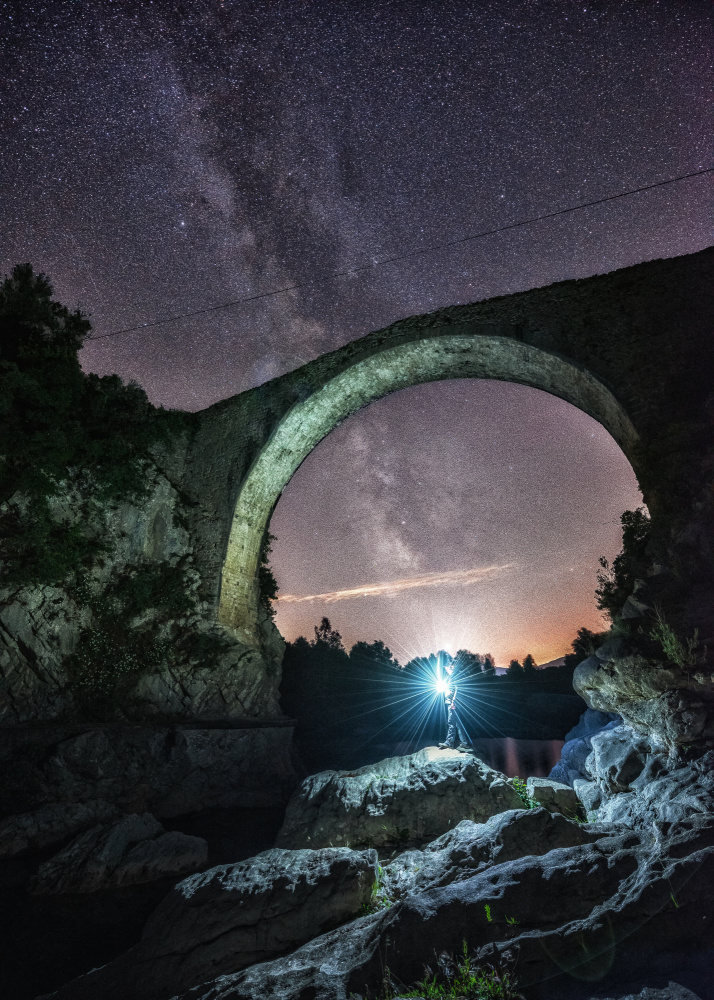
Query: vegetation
point(684, 653)
point(366, 689)
point(65, 435)
point(522, 789)
point(616, 581)
point(379, 898)
point(267, 584)
point(584, 644)
point(133, 631)
point(461, 978)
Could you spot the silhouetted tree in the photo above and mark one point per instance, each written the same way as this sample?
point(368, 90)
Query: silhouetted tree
point(489, 664)
point(327, 636)
point(584, 644)
point(515, 670)
point(58, 424)
point(373, 652)
point(467, 663)
point(616, 581)
point(529, 667)
point(267, 584)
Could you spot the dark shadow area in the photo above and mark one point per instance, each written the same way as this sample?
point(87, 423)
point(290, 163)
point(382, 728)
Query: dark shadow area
point(48, 940)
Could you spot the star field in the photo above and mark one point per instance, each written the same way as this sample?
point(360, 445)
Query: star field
point(158, 158)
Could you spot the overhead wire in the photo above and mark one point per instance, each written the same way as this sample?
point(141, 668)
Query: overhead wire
point(398, 257)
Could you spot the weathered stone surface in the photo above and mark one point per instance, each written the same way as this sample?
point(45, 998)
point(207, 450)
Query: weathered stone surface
point(414, 798)
point(673, 991)
point(590, 722)
point(164, 770)
point(130, 850)
point(233, 916)
point(617, 758)
point(667, 703)
point(472, 847)
point(629, 779)
point(576, 909)
point(578, 745)
point(50, 823)
point(40, 626)
point(554, 796)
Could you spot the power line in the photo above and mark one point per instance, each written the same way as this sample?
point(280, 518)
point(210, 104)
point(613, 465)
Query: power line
point(399, 257)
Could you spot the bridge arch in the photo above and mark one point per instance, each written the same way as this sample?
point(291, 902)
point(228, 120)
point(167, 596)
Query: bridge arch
point(370, 377)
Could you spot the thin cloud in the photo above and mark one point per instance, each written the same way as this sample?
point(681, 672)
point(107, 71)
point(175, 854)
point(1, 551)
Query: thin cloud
point(452, 578)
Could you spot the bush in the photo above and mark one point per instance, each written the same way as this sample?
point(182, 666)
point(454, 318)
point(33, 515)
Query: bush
point(59, 427)
point(129, 634)
point(616, 581)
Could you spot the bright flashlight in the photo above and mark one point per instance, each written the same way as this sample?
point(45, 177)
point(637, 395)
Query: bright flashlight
point(441, 686)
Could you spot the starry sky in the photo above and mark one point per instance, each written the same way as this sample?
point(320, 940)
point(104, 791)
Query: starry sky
point(159, 158)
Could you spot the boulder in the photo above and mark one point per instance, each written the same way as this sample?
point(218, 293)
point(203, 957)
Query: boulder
point(130, 850)
point(578, 746)
point(398, 800)
point(51, 823)
point(617, 758)
point(233, 916)
point(471, 847)
point(591, 722)
point(554, 796)
point(667, 703)
point(599, 912)
point(673, 991)
point(166, 770)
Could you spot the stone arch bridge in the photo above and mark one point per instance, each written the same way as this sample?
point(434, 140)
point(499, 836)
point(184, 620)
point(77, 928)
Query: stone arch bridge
point(634, 349)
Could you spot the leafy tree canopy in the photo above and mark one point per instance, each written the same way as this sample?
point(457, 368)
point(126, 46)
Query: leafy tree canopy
point(515, 670)
point(373, 652)
point(326, 635)
point(59, 424)
point(616, 582)
point(529, 665)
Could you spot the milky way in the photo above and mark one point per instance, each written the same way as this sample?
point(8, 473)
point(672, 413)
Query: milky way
point(159, 158)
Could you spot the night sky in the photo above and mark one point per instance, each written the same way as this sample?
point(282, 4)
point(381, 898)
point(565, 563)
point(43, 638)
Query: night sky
point(160, 158)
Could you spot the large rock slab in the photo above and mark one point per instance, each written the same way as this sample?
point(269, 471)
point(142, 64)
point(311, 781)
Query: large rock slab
point(472, 847)
point(131, 850)
point(51, 823)
point(233, 916)
point(554, 796)
point(670, 704)
point(165, 770)
point(400, 799)
point(573, 914)
point(578, 744)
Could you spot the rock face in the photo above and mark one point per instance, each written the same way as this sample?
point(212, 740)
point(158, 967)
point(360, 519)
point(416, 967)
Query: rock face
point(571, 915)
point(233, 916)
point(473, 847)
point(637, 784)
point(671, 704)
point(577, 903)
point(413, 798)
point(131, 850)
point(40, 626)
point(578, 744)
point(51, 823)
point(554, 796)
point(65, 778)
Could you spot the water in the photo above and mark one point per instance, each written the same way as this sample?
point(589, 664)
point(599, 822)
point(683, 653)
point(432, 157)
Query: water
point(513, 757)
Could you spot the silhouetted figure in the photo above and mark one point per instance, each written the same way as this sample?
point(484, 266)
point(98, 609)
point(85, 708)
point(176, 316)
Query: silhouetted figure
point(456, 737)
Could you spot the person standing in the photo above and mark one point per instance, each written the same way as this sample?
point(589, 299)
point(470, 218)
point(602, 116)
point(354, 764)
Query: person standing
point(456, 738)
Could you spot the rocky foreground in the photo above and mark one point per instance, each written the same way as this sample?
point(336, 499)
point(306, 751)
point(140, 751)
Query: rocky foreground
point(386, 867)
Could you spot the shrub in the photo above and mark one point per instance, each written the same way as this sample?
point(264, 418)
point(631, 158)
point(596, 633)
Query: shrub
point(616, 581)
point(60, 427)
